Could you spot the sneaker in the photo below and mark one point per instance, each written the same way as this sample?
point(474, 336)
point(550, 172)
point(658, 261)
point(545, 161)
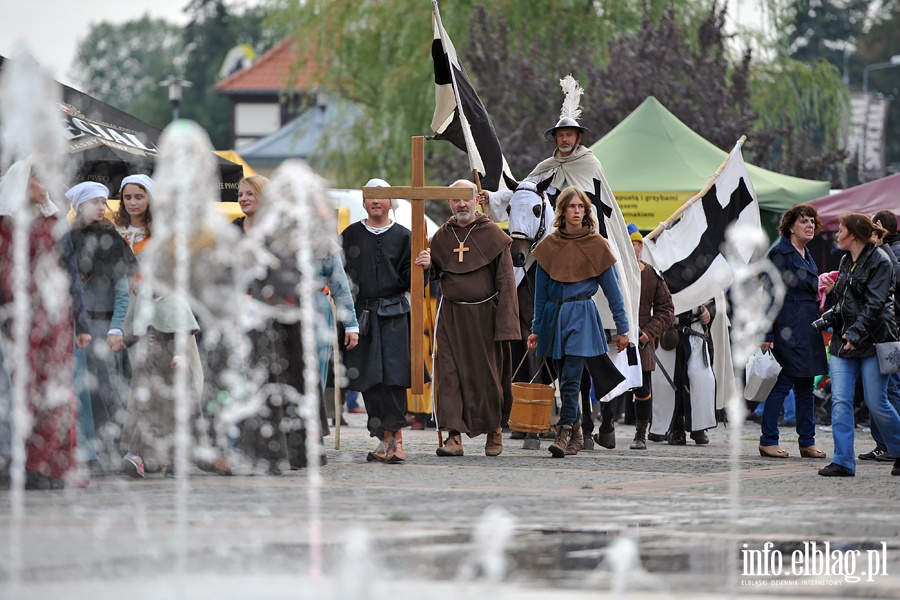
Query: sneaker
point(133, 465)
point(877, 454)
point(835, 470)
point(896, 469)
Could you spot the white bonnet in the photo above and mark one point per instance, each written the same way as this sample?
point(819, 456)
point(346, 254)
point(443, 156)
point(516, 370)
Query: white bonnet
point(375, 182)
point(140, 179)
point(84, 191)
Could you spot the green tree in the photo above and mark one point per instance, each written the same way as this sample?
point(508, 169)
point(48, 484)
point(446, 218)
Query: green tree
point(378, 54)
point(208, 37)
point(822, 29)
point(123, 65)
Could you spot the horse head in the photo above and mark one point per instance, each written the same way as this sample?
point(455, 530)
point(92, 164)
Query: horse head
point(530, 217)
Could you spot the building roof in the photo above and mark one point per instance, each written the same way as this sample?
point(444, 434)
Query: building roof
point(309, 136)
point(271, 73)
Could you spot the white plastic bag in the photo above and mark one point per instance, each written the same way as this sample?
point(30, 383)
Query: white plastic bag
point(762, 373)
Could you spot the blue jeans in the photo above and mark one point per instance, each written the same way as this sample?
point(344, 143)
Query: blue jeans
point(804, 411)
point(844, 372)
point(569, 369)
point(893, 393)
point(790, 408)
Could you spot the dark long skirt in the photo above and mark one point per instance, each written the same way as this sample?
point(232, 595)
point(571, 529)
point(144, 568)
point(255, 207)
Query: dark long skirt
point(275, 437)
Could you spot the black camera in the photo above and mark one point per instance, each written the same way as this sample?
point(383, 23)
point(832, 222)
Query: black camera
point(826, 320)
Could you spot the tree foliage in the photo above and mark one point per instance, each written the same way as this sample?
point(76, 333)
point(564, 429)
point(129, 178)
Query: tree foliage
point(378, 54)
point(822, 29)
point(688, 71)
point(123, 64)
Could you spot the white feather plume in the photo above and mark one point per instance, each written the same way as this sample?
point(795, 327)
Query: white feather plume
point(571, 106)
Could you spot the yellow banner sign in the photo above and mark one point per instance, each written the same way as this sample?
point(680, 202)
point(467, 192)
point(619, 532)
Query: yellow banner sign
point(648, 209)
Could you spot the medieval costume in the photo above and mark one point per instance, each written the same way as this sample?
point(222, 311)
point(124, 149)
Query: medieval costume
point(694, 406)
point(581, 169)
point(274, 436)
point(378, 265)
point(154, 319)
point(572, 267)
point(150, 418)
point(477, 316)
point(105, 262)
point(54, 300)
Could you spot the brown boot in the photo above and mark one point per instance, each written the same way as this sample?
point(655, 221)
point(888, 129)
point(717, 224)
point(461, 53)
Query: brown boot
point(640, 435)
point(563, 438)
point(381, 452)
point(452, 446)
point(576, 443)
point(493, 446)
point(395, 453)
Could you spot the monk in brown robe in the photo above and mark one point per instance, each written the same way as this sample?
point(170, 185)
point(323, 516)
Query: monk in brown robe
point(477, 318)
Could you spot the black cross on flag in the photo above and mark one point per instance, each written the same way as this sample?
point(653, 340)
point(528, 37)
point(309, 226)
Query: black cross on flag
point(604, 212)
point(459, 115)
point(689, 254)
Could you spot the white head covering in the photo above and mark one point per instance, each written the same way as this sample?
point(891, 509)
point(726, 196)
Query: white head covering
point(140, 179)
point(382, 183)
point(84, 191)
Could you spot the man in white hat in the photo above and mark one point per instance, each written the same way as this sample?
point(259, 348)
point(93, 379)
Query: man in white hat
point(376, 251)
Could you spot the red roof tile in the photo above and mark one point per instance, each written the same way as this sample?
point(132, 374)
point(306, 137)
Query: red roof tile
point(271, 72)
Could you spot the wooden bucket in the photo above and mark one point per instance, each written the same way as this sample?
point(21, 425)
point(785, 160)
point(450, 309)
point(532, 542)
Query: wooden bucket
point(532, 405)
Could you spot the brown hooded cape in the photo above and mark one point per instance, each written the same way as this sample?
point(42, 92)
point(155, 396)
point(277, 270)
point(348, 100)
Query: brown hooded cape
point(576, 256)
point(473, 368)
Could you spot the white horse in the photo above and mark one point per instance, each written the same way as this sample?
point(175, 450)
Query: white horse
point(530, 219)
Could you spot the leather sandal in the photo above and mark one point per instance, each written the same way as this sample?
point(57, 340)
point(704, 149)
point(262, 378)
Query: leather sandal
point(773, 452)
point(811, 452)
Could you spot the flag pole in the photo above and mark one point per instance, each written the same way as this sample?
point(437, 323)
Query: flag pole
point(712, 180)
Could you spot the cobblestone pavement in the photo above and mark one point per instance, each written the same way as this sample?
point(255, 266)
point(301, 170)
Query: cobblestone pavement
point(656, 523)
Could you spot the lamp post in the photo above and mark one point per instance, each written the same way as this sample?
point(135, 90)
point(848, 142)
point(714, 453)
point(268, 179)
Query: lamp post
point(175, 84)
point(893, 62)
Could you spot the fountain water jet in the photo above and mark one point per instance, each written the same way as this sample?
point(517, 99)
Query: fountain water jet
point(756, 296)
point(31, 142)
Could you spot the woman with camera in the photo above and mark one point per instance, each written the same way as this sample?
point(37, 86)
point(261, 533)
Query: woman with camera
point(797, 345)
point(862, 302)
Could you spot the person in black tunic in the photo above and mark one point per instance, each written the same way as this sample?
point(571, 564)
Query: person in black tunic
point(377, 252)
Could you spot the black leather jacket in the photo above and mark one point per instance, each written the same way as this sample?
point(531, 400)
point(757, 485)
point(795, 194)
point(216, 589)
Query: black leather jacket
point(863, 297)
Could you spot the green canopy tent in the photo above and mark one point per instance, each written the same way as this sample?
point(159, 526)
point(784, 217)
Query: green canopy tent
point(654, 163)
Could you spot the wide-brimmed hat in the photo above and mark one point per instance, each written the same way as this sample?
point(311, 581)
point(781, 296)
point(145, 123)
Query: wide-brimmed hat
point(563, 123)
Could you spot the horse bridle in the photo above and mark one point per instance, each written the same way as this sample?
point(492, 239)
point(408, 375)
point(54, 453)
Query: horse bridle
point(542, 228)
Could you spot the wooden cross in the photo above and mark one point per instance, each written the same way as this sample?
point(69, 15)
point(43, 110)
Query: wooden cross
point(417, 194)
point(462, 248)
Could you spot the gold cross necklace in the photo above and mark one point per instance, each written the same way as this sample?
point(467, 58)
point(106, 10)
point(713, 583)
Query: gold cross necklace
point(462, 245)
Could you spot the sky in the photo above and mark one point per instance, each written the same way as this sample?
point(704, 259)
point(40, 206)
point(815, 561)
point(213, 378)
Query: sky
point(52, 28)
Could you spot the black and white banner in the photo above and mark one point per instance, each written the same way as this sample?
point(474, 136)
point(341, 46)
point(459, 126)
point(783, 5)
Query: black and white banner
point(459, 115)
point(689, 254)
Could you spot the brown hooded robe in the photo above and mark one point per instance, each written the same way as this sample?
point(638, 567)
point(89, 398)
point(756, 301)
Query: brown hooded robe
point(478, 317)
